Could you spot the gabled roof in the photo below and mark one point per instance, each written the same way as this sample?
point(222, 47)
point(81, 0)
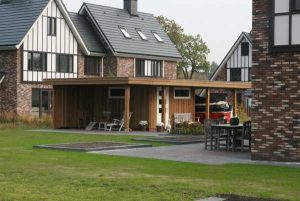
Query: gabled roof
point(243, 35)
point(16, 18)
point(108, 21)
point(87, 33)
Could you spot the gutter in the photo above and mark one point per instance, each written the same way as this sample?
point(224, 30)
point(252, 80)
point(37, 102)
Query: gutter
point(8, 47)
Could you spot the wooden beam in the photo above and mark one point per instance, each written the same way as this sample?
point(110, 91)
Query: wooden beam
point(207, 104)
point(163, 116)
point(234, 94)
point(127, 109)
point(150, 82)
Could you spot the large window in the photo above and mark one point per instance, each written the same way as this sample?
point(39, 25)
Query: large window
point(286, 25)
point(235, 74)
point(64, 63)
point(148, 68)
point(92, 66)
point(51, 26)
point(41, 102)
point(37, 61)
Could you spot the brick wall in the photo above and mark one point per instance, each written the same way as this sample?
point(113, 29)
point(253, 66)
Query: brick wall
point(170, 70)
point(24, 90)
point(125, 67)
point(8, 89)
point(276, 112)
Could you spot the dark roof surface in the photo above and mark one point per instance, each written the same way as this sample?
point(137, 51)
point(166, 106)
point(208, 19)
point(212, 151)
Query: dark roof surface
point(109, 21)
point(16, 18)
point(87, 33)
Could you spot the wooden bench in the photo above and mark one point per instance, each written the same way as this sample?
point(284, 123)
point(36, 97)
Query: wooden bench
point(180, 118)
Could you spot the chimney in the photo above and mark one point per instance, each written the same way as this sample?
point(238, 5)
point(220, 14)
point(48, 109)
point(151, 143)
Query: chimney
point(131, 6)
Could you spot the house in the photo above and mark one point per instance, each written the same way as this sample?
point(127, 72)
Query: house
point(235, 67)
point(83, 64)
point(275, 73)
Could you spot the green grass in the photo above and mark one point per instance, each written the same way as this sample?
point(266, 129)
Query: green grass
point(33, 174)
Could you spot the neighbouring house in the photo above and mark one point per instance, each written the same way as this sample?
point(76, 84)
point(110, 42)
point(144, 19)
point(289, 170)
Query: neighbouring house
point(78, 66)
point(276, 78)
point(235, 67)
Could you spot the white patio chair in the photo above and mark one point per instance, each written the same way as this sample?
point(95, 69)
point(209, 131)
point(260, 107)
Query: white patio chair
point(119, 124)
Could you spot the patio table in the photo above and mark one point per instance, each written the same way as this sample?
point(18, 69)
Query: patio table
point(231, 131)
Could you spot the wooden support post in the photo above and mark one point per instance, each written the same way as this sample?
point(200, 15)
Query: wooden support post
point(163, 116)
point(234, 102)
point(127, 109)
point(207, 105)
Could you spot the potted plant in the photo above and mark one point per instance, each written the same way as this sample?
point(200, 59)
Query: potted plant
point(143, 125)
point(160, 127)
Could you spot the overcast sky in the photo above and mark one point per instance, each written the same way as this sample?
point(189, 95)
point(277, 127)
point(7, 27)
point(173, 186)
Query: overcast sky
point(219, 22)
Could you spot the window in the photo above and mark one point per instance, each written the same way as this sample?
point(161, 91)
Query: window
point(37, 61)
point(148, 68)
point(286, 25)
point(125, 33)
point(296, 5)
point(158, 38)
point(235, 75)
point(245, 49)
point(181, 93)
point(51, 26)
point(142, 35)
point(41, 102)
point(64, 63)
point(92, 66)
point(116, 92)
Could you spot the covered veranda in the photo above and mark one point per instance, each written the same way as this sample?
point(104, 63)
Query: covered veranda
point(72, 96)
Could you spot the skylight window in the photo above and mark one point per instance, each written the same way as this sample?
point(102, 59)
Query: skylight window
point(158, 38)
point(124, 32)
point(142, 35)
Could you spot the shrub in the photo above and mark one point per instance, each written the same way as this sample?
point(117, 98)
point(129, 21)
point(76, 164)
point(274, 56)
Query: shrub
point(187, 128)
point(11, 120)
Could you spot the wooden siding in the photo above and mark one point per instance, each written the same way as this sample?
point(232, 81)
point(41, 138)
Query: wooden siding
point(181, 105)
point(71, 102)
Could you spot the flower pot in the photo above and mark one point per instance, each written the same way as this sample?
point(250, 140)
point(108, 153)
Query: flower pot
point(144, 128)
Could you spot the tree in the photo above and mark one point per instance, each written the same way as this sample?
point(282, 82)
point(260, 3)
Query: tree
point(194, 52)
point(193, 49)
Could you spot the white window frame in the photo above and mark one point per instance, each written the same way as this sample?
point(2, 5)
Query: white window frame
point(142, 35)
point(182, 98)
point(115, 97)
point(125, 32)
point(158, 38)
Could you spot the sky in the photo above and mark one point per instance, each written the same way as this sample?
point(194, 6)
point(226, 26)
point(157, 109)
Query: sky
point(219, 22)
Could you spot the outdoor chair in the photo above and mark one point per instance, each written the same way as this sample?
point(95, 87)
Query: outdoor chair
point(243, 136)
point(105, 119)
point(211, 136)
point(118, 124)
point(222, 136)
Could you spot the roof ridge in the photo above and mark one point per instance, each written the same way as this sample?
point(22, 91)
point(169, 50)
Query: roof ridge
point(115, 8)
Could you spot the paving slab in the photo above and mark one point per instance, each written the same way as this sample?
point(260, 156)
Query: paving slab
point(175, 139)
point(193, 153)
point(212, 199)
point(91, 146)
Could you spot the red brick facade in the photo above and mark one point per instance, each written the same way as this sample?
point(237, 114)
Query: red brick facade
point(276, 112)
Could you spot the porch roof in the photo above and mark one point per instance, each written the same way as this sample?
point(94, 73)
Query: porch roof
point(150, 82)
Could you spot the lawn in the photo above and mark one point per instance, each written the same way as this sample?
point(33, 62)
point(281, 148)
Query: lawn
point(32, 174)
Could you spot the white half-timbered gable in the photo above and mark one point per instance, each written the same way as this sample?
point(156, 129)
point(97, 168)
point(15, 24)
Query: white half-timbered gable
point(50, 48)
point(238, 61)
